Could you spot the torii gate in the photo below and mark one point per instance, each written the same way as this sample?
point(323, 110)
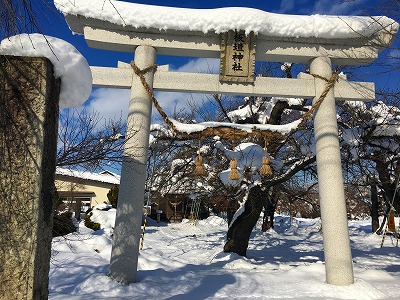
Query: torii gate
point(147, 42)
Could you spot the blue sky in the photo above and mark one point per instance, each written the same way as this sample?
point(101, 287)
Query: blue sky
point(104, 100)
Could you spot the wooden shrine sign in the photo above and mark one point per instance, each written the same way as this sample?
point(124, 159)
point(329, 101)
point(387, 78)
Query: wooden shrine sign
point(238, 55)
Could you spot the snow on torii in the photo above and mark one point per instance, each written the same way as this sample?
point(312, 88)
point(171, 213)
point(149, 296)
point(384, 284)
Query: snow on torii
point(316, 40)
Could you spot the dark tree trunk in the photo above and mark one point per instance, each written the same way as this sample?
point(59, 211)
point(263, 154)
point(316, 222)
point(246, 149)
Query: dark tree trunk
point(277, 112)
point(232, 207)
point(241, 228)
point(388, 186)
point(374, 207)
point(389, 189)
point(271, 202)
point(230, 210)
point(269, 212)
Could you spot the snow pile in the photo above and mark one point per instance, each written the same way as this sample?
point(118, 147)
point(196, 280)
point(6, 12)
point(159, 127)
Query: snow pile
point(243, 112)
point(248, 156)
point(387, 119)
point(261, 108)
point(106, 218)
point(69, 64)
point(225, 19)
point(193, 128)
point(212, 222)
point(224, 176)
point(352, 136)
point(383, 123)
point(184, 261)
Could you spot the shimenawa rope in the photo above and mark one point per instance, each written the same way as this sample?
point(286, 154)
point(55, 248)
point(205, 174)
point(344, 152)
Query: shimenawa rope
point(225, 131)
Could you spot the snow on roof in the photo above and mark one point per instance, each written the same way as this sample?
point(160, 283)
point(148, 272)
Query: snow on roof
point(69, 64)
point(105, 176)
point(224, 19)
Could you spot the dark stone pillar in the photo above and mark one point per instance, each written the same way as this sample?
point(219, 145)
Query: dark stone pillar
point(29, 96)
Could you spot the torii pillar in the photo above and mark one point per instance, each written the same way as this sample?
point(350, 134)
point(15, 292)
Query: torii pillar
point(125, 251)
point(335, 231)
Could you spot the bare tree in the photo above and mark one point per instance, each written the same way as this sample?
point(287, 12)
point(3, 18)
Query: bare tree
point(20, 16)
point(89, 141)
point(288, 152)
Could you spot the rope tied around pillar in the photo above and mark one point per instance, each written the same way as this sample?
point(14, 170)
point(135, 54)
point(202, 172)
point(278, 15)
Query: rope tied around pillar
point(227, 132)
point(329, 84)
point(149, 91)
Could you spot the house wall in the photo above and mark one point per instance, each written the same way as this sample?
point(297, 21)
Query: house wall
point(100, 189)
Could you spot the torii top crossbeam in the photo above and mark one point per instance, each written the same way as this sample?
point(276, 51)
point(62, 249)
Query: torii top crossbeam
point(121, 26)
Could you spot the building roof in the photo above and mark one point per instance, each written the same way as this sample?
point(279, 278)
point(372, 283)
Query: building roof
point(105, 176)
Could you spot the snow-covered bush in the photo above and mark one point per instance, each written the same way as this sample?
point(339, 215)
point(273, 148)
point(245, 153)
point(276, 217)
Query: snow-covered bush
point(89, 223)
point(63, 223)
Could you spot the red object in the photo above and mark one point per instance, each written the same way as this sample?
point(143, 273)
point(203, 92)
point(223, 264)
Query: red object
point(391, 225)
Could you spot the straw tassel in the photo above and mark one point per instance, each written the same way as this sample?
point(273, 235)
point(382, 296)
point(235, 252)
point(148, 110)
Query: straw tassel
point(265, 167)
point(234, 173)
point(199, 170)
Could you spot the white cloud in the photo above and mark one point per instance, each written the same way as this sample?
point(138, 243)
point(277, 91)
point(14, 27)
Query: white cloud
point(394, 53)
point(172, 101)
point(113, 103)
point(326, 7)
point(200, 65)
point(178, 101)
point(286, 6)
point(109, 103)
point(337, 7)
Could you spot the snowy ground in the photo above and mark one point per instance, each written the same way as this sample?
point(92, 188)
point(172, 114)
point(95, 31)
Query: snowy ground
point(184, 261)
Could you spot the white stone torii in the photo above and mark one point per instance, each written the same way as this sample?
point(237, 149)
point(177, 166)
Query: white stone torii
point(318, 52)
